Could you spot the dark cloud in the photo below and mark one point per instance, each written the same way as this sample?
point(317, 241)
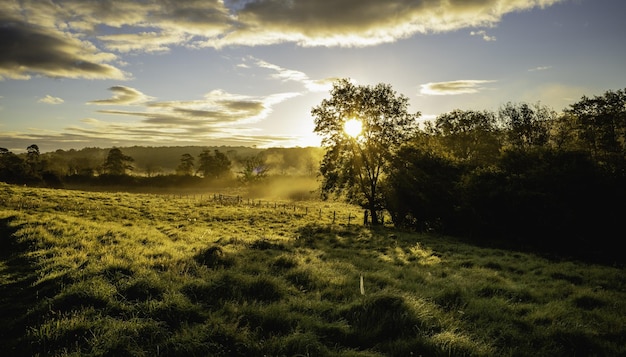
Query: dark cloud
point(26, 50)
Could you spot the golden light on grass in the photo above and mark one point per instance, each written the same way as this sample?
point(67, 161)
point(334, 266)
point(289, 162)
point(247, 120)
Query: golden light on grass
point(353, 127)
point(167, 259)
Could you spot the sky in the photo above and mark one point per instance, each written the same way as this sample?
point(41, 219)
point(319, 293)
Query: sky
point(104, 73)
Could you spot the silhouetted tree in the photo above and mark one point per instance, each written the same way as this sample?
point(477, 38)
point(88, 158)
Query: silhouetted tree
point(599, 124)
point(253, 169)
point(356, 166)
point(214, 165)
point(422, 190)
point(467, 135)
point(185, 168)
point(526, 126)
point(12, 168)
point(33, 161)
point(117, 163)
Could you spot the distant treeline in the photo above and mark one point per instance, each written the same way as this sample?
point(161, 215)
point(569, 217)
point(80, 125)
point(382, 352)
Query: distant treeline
point(157, 166)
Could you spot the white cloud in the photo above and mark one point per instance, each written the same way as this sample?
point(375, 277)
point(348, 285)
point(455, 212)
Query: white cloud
point(540, 68)
point(454, 87)
point(483, 34)
point(284, 74)
point(150, 42)
point(48, 99)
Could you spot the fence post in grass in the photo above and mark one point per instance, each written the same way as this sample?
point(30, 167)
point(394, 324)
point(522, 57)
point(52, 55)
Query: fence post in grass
point(334, 215)
point(349, 217)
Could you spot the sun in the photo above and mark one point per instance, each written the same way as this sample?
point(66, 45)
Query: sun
point(353, 127)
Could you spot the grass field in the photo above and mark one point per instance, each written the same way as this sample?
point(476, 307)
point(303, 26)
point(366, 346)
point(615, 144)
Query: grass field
point(96, 274)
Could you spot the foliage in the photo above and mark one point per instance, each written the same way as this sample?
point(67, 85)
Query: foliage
point(117, 163)
point(33, 161)
point(253, 169)
point(185, 168)
point(214, 166)
point(422, 191)
point(523, 178)
point(467, 136)
point(599, 126)
point(358, 165)
point(12, 168)
point(92, 274)
point(28, 169)
point(526, 126)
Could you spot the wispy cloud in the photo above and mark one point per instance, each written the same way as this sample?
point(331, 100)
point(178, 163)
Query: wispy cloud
point(540, 68)
point(48, 99)
point(219, 116)
point(284, 74)
point(83, 39)
point(123, 95)
point(454, 87)
point(484, 35)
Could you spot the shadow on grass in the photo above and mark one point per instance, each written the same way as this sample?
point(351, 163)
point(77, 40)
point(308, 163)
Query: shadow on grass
point(18, 289)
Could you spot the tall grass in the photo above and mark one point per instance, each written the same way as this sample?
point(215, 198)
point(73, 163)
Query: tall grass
point(147, 275)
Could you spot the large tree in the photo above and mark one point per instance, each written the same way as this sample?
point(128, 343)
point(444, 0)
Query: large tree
point(33, 159)
point(526, 126)
point(253, 169)
point(361, 128)
point(214, 165)
point(466, 135)
point(599, 125)
point(117, 163)
point(185, 168)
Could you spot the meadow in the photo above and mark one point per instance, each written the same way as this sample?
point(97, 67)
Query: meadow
point(120, 274)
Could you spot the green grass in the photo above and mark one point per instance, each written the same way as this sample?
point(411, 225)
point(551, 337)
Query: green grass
point(94, 274)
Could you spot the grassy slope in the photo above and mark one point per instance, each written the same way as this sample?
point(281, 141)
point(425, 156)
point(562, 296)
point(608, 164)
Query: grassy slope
point(121, 274)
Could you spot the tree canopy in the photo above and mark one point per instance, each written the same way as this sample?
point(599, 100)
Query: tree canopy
point(356, 163)
point(214, 165)
point(185, 168)
point(117, 163)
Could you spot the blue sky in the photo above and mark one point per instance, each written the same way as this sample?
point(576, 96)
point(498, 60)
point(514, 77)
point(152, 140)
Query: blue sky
point(77, 73)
